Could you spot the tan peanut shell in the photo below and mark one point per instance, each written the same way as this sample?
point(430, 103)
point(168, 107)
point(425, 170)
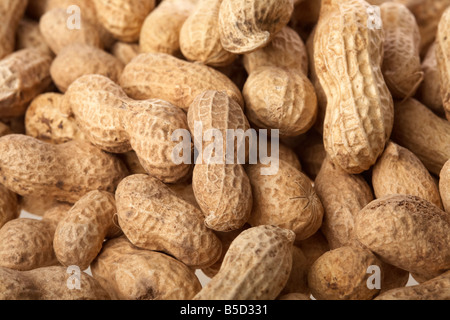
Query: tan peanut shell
point(423, 133)
point(401, 64)
point(11, 11)
point(132, 274)
point(286, 50)
point(116, 123)
point(348, 57)
point(77, 60)
point(185, 191)
point(56, 213)
point(29, 36)
point(443, 59)
point(280, 99)
point(64, 172)
point(179, 82)
point(200, 38)
point(399, 171)
point(57, 35)
point(434, 289)
point(155, 218)
point(226, 238)
point(285, 153)
point(161, 29)
point(407, 232)
point(124, 51)
point(224, 195)
point(79, 236)
point(298, 278)
point(9, 206)
point(215, 110)
point(444, 185)
point(294, 296)
point(123, 18)
point(343, 195)
point(48, 283)
point(286, 199)
point(313, 247)
point(341, 274)
point(256, 266)
point(246, 26)
point(45, 120)
point(23, 75)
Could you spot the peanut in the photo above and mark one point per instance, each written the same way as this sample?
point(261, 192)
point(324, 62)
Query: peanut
point(9, 207)
point(281, 99)
point(421, 246)
point(29, 36)
point(178, 82)
point(343, 195)
point(298, 278)
point(77, 60)
point(422, 132)
point(246, 26)
point(48, 283)
point(116, 123)
point(185, 191)
point(125, 52)
point(443, 59)
point(444, 185)
point(286, 199)
point(348, 57)
point(155, 218)
point(11, 11)
point(160, 32)
point(23, 75)
point(200, 38)
point(256, 266)
point(37, 205)
point(401, 64)
point(132, 274)
point(80, 235)
point(123, 18)
point(399, 171)
point(64, 172)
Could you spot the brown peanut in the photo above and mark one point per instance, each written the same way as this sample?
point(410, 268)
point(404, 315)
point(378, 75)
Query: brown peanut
point(443, 59)
point(9, 207)
point(444, 185)
point(11, 11)
point(125, 52)
point(29, 36)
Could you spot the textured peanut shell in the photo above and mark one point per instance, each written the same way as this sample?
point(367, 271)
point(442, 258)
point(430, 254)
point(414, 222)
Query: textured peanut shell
point(29, 36)
point(46, 121)
point(215, 110)
point(9, 207)
point(27, 244)
point(399, 171)
point(348, 57)
point(281, 99)
point(286, 199)
point(429, 92)
point(286, 154)
point(23, 75)
point(116, 123)
point(124, 51)
point(401, 64)
point(48, 283)
point(256, 266)
point(53, 26)
point(423, 133)
point(185, 191)
point(155, 218)
point(123, 18)
point(65, 172)
point(179, 82)
point(200, 38)
point(56, 213)
point(246, 26)
point(226, 238)
point(224, 195)
point(444, 185)
point(443, 59)
point(79, 236)
point(129, 273)
point(77, 60)
point(11, 11)
point(341, 274)
point(407, 232)
point(434, 289)
point(161, 29)
point(343, 195)
point(286, 50)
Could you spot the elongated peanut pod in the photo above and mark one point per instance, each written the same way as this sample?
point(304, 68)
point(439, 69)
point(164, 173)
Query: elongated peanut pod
point(11, 11)
point(443, 59)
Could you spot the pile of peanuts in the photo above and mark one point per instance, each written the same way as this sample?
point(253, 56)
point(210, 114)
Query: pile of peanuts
point(92, 91)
